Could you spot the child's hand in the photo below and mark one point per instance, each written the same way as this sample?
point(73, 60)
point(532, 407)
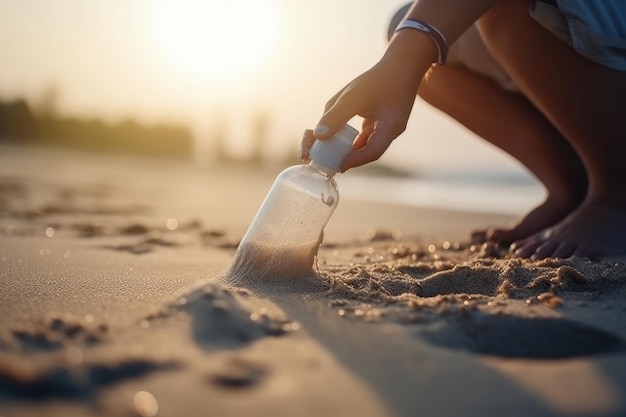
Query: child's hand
point(383, 99)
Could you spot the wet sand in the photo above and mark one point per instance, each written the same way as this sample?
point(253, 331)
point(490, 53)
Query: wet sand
point(114, 302)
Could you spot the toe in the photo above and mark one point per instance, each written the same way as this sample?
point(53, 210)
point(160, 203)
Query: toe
point(500, 236)
point(584, 251)
point(545, 250)
point(565, 250)
point(479, 236)
point(518, 244)
point(527, 249)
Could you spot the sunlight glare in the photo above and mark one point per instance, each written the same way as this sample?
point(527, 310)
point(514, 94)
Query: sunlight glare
point(213, 38)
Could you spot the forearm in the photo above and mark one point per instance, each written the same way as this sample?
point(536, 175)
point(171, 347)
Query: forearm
point(415, 49)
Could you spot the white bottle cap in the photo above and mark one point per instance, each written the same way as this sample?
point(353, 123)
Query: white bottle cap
point(331, 153)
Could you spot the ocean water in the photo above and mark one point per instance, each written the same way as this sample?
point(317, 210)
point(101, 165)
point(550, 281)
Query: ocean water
point(501, 192)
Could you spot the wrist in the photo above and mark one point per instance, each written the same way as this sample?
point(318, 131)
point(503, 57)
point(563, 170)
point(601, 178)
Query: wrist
point(435, 34)
point(413, 49)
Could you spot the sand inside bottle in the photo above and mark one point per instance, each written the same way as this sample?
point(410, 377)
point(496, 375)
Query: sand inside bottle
point(265, 266)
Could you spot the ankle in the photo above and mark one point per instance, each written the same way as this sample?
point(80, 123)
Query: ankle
point(607, 197)
point(565, 199)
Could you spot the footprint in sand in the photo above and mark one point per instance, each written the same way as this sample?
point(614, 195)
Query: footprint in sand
point(55, 333)
point(66, 371)
point(19, 381)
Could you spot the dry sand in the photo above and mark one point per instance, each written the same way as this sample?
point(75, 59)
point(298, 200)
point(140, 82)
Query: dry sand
point(117, 300)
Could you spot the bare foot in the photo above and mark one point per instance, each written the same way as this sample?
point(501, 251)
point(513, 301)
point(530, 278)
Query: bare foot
point(547, 214)
point(593, 230)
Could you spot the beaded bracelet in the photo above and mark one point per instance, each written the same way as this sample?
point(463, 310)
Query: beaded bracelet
point(433, 32)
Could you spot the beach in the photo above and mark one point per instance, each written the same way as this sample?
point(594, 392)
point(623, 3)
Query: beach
point(118, 299)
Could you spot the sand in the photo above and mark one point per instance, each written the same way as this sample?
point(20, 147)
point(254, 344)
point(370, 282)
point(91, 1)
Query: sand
point(119, 298)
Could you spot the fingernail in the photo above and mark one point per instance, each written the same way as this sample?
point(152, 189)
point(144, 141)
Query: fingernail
point(321, 130)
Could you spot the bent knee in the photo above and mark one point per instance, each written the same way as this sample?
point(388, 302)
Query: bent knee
point(442, 86)
point(431, 89)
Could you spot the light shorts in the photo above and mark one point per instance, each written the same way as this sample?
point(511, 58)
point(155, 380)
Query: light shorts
point(596, 29)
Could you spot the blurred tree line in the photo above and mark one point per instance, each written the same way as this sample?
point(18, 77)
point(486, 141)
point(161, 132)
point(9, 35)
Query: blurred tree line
point(20, 125)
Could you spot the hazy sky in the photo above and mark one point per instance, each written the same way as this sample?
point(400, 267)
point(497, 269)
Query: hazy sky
point(184, 60)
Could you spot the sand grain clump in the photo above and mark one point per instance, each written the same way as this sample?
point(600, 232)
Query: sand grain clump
point(463, 278)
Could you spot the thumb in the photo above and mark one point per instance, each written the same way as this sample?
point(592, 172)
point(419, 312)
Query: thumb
point(333, 120)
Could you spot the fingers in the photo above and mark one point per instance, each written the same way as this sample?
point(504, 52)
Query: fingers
point(370, 144)
point(361, 140)
point(366, 131)
point(337, 113)
point(369, 153)
point(305, 146)
point(375, 146)
point(382, 100)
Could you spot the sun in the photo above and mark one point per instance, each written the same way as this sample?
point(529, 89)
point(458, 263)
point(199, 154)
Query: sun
point(214, 38)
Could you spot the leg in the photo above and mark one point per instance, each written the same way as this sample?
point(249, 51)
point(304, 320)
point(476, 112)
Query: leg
point(585, 102)
point(510, 122)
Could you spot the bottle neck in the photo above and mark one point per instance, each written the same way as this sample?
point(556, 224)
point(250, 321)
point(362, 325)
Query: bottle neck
point(323, 169)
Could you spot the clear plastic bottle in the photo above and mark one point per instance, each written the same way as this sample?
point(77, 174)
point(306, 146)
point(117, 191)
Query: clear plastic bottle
point(284, 237)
